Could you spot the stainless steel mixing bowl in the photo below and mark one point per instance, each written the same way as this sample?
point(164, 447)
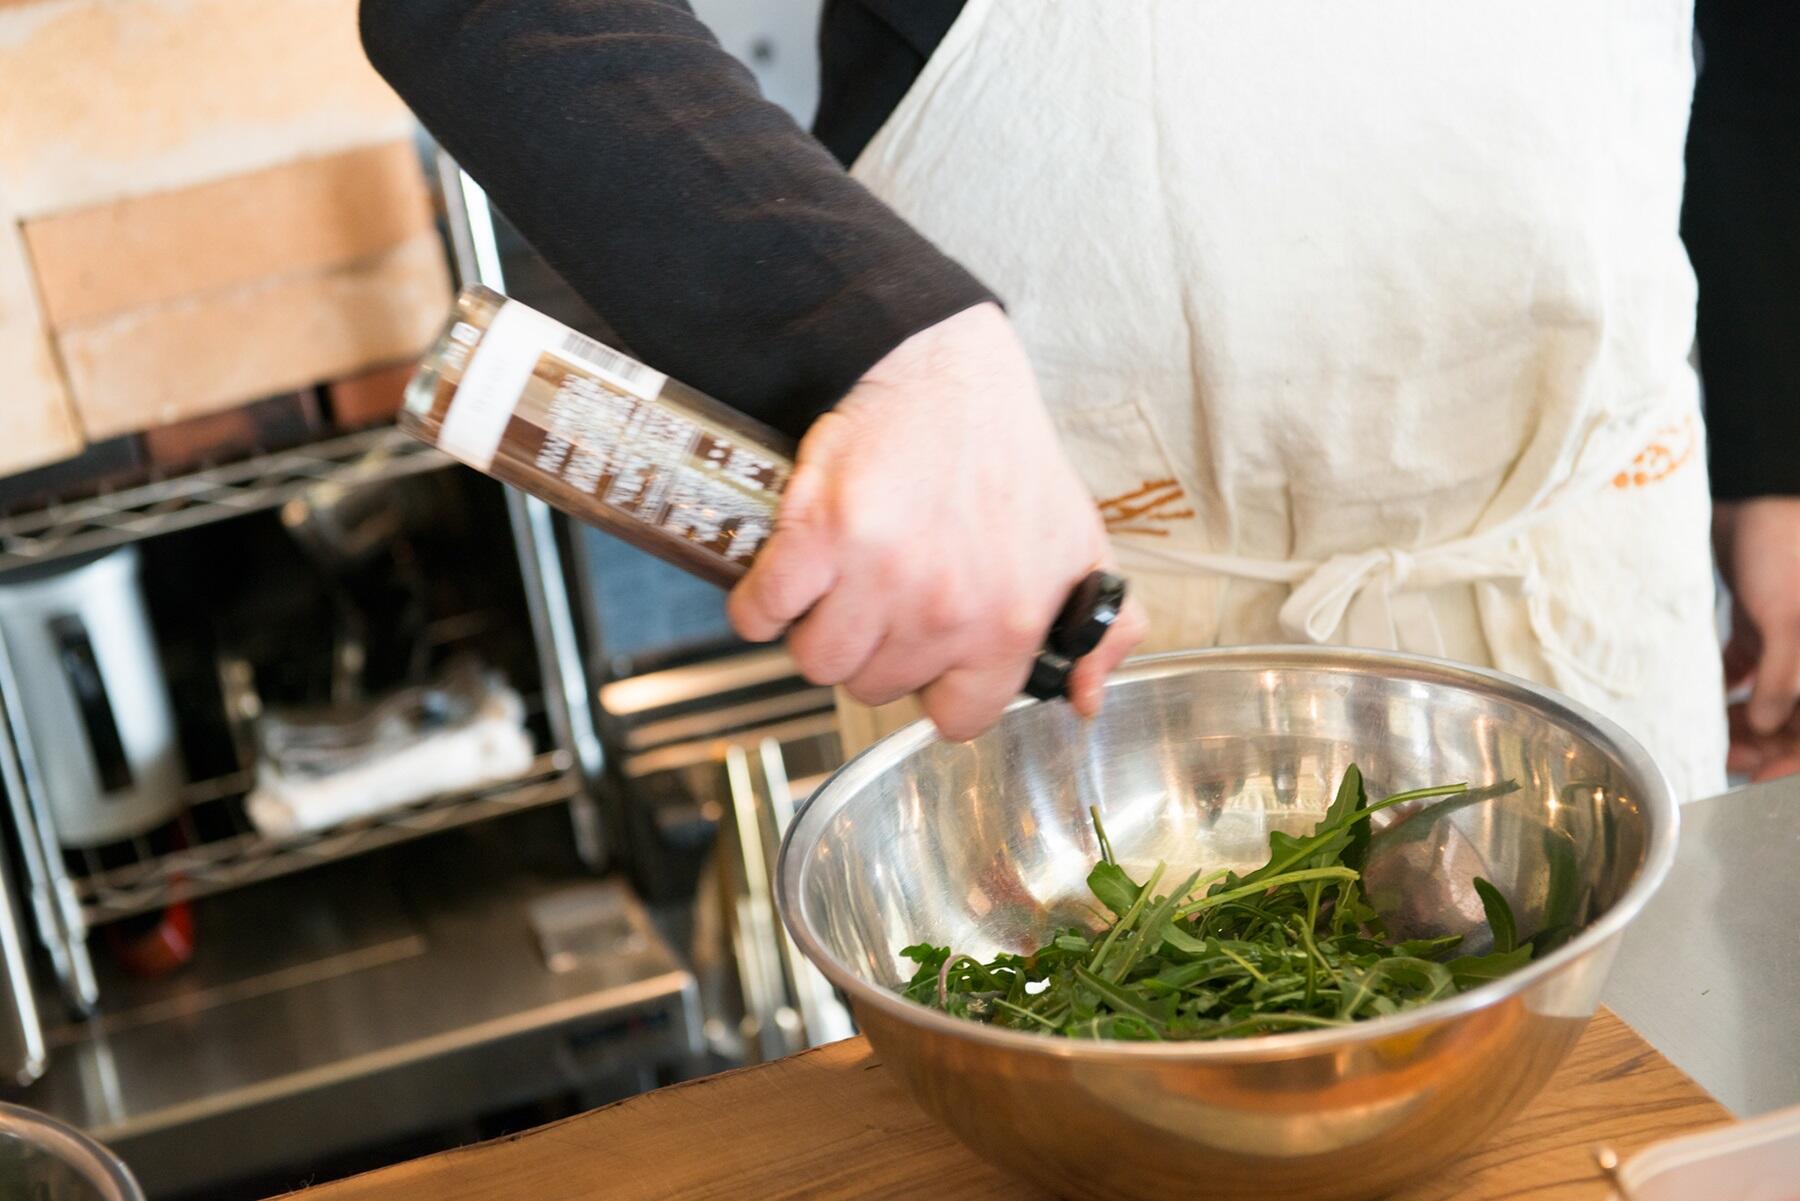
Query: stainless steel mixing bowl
point(986, 846)
point(43, 1159)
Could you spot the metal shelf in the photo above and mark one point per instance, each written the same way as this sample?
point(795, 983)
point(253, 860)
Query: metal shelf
point(69, 894)
point(153, 881)
point(163, 506)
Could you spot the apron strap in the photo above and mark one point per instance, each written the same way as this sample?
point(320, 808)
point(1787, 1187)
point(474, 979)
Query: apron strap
point(1372, 596)
point(1358, 585)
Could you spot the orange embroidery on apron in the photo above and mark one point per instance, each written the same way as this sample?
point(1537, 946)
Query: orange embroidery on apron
point(1152, 501)
point(1669, 450)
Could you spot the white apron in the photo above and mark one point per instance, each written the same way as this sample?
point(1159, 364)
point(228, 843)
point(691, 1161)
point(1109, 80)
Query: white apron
point(1367, 323)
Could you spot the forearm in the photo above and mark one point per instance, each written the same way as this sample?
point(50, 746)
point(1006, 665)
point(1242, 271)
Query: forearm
point(721, 242)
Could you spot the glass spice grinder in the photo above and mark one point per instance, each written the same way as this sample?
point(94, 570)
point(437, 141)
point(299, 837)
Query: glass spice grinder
point(599, 435)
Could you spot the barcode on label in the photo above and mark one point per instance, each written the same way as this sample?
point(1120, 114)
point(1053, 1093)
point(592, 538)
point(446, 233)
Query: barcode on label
point(628, 372)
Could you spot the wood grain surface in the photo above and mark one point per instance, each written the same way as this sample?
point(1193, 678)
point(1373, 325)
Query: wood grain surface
point(831, 1123)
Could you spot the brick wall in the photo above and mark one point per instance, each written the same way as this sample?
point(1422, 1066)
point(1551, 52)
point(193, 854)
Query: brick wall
point(202, 202)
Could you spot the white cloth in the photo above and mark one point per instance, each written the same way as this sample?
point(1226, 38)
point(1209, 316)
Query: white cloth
point(492, 746)
point(1366, 322)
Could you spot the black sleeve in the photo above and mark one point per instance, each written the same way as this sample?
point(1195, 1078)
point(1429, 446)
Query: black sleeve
point(722, 243)
point(870, 54)
point(1741, 222)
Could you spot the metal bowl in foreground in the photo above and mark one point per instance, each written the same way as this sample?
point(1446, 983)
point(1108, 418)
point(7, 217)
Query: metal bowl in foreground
point(986, 846)
point(43, 1159)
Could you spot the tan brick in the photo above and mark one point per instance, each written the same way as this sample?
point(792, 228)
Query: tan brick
point(202, 354)
point(370, 398)
point(37, 425)
point(107, 98)
point(272, 424)
point(322, 212)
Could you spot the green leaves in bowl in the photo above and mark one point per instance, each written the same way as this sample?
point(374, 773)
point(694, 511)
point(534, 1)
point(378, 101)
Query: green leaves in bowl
point(1292, 945)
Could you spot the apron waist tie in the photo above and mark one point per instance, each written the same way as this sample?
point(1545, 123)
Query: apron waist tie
point(1372, 598)
point(1370, 595)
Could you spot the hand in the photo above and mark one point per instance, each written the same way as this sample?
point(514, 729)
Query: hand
point(1762, 756)
point(1758, 545)
point(930, 533)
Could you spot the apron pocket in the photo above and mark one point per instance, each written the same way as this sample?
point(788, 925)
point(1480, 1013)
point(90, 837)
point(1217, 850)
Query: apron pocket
point(1629, 580)
point(1146, 502)
point(1123, 463)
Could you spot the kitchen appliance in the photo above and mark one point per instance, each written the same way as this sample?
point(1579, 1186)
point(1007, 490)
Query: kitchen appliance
point(354, 531)
point(94, 701)
point(42, 1159)
point(1195, 760)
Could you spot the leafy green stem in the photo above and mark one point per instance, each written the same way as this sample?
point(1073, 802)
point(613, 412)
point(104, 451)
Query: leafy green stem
point(1106, 851)
point(1125, 922)
point(1264, 885)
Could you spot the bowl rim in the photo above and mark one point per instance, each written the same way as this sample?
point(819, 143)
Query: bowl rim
point(75, 1148)
point(1659, 856)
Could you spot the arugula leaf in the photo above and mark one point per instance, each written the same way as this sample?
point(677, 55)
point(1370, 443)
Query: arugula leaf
point(1426, 948)
point(1251, 888)
point(1116, 890)
point(1181, 940)
point(1286, 851)
point(1119, 998)
point(1562, 894)
point(1426, 979)
point(1126, 921)
point(924, 952)
point(1153, 930)
point(1499, 916)
point(1550, 938)
point(1418, 823)
point(1352, 798)
point(1471, 970)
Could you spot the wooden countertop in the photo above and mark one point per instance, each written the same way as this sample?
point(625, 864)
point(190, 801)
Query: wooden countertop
point(831, 1123)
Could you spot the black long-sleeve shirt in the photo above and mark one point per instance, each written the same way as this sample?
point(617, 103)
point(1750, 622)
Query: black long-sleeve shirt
point(1741, 222)
point(722, 243)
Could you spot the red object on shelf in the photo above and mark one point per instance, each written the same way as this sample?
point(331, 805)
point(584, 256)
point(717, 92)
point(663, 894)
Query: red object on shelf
point(161, 948)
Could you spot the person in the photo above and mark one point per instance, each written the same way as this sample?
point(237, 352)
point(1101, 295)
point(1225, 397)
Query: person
point(1364, 323)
